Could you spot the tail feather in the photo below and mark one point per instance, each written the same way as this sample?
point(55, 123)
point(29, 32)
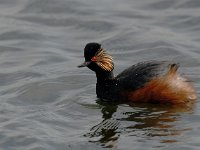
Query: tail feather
point(172, 69)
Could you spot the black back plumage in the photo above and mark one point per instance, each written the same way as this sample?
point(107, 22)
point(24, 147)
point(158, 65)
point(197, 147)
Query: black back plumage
point(139, 74)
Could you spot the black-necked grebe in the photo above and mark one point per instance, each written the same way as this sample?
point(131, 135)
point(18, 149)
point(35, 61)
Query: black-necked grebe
point(151, 81)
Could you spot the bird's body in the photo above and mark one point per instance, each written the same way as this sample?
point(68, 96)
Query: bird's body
point(151, 81)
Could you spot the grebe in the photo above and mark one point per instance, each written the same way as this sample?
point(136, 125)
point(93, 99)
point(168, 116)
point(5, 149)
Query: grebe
point(151, 81)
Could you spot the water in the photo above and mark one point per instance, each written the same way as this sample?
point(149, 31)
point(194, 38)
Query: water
point(47, 103)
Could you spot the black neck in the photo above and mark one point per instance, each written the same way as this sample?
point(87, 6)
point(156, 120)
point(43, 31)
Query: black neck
point(104, 76)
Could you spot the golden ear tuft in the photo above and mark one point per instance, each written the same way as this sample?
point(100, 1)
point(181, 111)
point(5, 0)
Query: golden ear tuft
point(104, 60)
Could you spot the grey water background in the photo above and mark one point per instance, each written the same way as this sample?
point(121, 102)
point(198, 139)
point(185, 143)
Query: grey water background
point(47, 103)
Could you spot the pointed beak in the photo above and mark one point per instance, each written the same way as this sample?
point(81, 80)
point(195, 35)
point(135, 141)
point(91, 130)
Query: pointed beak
point(85, 64)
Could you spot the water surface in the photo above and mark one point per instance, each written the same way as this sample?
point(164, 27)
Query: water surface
point(47, 103)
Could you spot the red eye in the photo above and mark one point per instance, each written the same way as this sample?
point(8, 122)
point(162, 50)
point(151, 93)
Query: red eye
point(94, 59)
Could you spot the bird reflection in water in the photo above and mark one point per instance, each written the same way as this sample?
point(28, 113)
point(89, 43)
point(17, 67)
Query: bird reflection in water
point(144, 121)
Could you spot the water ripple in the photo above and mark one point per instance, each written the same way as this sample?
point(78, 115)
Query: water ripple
point(48, 103)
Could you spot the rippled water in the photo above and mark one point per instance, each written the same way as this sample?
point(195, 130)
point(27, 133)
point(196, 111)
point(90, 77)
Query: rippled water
point(47, 103)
